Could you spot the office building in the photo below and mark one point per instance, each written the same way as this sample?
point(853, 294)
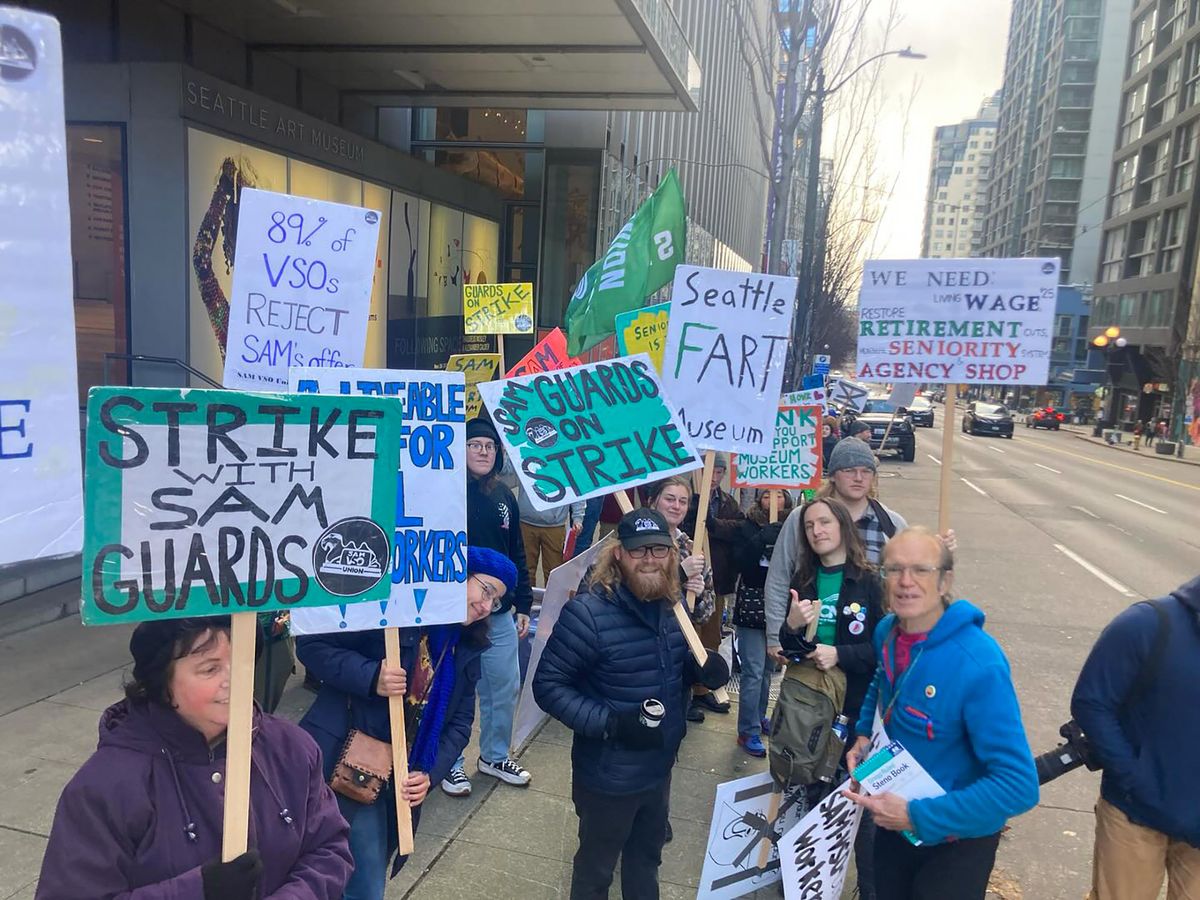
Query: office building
point(959, 172)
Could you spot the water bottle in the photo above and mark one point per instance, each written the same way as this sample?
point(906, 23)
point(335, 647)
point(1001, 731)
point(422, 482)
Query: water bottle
point(838, 732)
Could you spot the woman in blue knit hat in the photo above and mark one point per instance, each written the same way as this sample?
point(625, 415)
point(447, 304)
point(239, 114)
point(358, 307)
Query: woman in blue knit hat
point(440, 668)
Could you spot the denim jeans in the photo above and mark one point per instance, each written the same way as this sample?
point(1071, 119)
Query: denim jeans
point(754, 689)
point(499, 688)
point(591, 518)
point(369, 847)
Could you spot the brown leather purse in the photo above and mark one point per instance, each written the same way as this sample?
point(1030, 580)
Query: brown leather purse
point(364, 769)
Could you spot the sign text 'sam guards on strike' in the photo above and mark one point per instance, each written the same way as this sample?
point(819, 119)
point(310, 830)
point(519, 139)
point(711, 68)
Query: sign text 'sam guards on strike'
point(975, 321)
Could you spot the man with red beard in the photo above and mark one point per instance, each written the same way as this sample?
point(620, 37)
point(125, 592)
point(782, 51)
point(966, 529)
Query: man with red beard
point(617, 672)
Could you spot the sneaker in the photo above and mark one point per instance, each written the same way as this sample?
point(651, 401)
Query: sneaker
point(457, 784)
point(694, 713)
point(670, 833)
point(765, 725)
point(710, 702)
point(507, 770)
point(752, 744)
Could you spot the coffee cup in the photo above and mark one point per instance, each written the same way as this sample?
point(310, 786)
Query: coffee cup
point(652, 713)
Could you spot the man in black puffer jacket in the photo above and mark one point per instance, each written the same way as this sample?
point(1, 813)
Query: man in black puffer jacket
point(615, 647)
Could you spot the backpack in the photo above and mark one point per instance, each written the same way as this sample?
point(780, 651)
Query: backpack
point(802, 723)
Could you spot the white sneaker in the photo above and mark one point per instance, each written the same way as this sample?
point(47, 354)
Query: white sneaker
point(457, 784)
point(506, 770)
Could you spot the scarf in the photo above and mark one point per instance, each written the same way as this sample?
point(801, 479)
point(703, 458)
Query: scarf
point(441, 639)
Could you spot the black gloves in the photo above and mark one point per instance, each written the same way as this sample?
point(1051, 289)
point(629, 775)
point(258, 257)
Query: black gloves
point(714, 673)
point(627, 728)
point(233, 880)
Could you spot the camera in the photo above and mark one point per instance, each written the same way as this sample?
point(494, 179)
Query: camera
point(1075, 752)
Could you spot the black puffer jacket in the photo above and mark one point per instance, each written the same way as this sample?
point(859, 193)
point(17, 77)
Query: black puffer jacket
point(609, 652)
point(494, 520)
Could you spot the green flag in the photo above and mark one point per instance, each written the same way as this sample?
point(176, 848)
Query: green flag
point(640, 260)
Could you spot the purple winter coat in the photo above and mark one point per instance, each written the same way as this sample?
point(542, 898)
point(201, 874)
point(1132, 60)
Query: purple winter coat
point(145, 812)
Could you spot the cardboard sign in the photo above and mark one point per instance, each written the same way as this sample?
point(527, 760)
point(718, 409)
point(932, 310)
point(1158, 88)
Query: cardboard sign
point(815, 853)
point(548, 355)
point(727, 340)
point(429, 556)
point(847, 395)
point(301, 288)
point(203, 503)
point(978, 321)
point(811, 397)
point(41, 489)
point(588, 431)
point(795, 458)
point(903, 395)
point(740, 820)
point(498, 308)
point(475, 367)
point(644, 331)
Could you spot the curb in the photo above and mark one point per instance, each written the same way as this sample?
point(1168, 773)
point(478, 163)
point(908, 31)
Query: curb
point(1099, 442)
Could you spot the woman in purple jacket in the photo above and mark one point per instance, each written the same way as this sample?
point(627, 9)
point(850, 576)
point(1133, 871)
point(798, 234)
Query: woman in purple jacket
point(142, 819)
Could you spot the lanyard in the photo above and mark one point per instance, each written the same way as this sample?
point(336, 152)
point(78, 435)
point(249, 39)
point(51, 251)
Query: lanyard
point(912, 664)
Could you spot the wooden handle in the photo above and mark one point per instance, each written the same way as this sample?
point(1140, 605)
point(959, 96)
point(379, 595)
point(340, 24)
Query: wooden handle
point(391, 637)
point(242, 637)
point(764, 850)
point(773, 515)
point(950, 404)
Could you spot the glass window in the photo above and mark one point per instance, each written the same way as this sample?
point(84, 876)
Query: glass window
point(1134, 113)
point(1124, 179)
point(1183, 170)
point(569, 228)
point(1143, 41)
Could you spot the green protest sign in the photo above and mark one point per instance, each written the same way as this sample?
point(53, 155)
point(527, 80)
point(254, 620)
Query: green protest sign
point(795, 458)
point(202, 503)
point(588, 430)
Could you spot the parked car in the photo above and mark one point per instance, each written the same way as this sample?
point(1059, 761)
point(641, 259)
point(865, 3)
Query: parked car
point(921, 412)
point(878, 413)
point(987, 418)
point(1045, 418)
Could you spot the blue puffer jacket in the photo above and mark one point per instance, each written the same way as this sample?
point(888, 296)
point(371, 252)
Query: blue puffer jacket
point(609, 652)
point(957, 713)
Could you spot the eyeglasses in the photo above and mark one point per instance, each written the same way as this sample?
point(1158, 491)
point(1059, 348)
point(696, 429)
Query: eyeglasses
point(658, 551)
point(894, 572)
point(489, 593)
point(484, 447)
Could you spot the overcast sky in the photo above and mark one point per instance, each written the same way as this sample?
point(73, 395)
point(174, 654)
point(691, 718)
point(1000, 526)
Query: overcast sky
point(965, 43)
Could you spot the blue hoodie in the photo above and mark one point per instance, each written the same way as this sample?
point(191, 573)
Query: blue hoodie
point(957, 713)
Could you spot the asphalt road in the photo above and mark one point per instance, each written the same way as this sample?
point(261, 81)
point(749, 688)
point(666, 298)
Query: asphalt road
point(1056, 536)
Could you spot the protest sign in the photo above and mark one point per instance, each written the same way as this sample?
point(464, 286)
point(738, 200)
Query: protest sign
point(547, 355)
point(498, 308)
point(429, 546)
point(301, 296)
point(589, 430)
point(740, 821)
point(727, 339)
point(644, 331)
point(847, 395)
point(795, 458)
point(903, 394)
point(810, 397)
point(475, 367)
point(41, 489)
point(202, 503)
point(815, 853)
point(976, 321)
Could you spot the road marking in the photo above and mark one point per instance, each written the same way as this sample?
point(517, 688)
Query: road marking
point(1083, 509)
point(1044, 446)
point(974, 487)
point(934, 458)
point(968, 439)
point(1055, 471)
point(1161, 512)
point(996, 450)
point(1120, 529)
point(1103, 576)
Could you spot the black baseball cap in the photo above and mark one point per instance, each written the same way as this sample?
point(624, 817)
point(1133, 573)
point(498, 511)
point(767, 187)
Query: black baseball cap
point(643, 528)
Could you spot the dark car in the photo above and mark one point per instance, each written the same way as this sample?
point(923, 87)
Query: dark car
point(1045, 418)
point(921, 412)
point(878, 413)
point(988, 418)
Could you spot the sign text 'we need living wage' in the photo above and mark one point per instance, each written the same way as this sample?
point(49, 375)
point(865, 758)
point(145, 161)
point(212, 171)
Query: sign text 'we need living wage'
point(970, 321)
point(588, 430)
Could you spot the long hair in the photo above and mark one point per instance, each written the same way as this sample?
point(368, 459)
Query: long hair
point(807, 559)
point(606, 571)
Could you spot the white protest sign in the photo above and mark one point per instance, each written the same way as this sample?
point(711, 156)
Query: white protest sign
point(971, 321)
point(727, 340)
point(41, 489)
point(739, 823)
point(815, 853)
point(301, 296)
point(847, 395)
point(795, 458)
point(903, 395)
point(812, 397)
point(429, 548)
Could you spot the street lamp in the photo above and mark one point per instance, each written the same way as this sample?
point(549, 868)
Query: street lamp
point(1108, 341)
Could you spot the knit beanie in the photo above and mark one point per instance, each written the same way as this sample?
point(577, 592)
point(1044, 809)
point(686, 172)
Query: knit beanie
point(850, 455)
point(480, 427)
point(485, 561)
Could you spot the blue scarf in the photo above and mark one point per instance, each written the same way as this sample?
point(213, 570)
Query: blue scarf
point(440, 638)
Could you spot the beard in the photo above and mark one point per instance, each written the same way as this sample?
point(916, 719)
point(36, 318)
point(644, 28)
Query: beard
point(647, 584)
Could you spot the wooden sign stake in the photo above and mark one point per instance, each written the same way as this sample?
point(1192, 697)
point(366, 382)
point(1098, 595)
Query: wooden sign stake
point(238, 735)
point(764, 850)
point(887, 432)
point(773, 515)
point(391, 637)
point(951, 403)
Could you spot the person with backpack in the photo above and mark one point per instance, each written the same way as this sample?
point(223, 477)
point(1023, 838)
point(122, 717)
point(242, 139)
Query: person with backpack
point(754, 543)
point(1136, 702)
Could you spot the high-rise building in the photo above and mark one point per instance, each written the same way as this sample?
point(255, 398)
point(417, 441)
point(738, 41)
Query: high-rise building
point(959, 171)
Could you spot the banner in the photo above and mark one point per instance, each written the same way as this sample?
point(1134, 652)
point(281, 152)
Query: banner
point(644, 331)
point(795, 458)
point(301, 294)
point(475, 367)
point(977, 321)
point(41, 488)
point(815, 852)
point(727, 340)
point(640, 260)
point(498, 308)
point(203, 503)
point(548, 355)
point(588, 431)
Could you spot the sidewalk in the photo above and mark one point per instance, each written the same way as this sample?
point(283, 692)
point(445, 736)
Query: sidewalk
point(1084, 433)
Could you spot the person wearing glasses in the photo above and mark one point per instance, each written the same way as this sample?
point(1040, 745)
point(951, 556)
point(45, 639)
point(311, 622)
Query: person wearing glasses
point(944, 691)
point(617, 671)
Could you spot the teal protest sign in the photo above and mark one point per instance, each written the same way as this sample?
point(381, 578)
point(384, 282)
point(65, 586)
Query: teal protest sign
point(795, 457)
point(589, 430)
point(203, 503)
